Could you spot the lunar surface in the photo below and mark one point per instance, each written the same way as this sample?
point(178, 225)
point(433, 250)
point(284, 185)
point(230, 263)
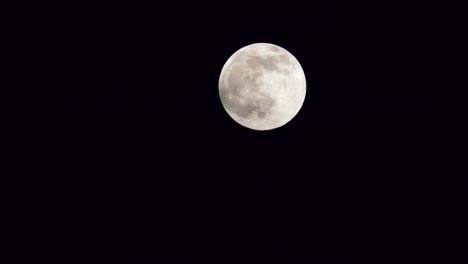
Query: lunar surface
point(262, 86)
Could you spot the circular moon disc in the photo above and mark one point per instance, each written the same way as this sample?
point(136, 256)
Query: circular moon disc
point(262, 86)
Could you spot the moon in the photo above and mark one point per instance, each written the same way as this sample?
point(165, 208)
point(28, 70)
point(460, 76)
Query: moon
point(262, 86)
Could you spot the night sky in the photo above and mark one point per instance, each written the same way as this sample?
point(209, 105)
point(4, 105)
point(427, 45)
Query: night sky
point(119, 145)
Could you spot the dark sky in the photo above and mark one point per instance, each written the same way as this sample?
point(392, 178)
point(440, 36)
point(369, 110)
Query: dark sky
point(120, 146)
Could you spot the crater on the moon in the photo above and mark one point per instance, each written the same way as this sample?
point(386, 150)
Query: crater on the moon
point(270, 62)
point(274, 48)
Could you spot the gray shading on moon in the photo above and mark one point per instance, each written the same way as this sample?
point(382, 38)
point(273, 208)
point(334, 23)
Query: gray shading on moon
point(262, 86)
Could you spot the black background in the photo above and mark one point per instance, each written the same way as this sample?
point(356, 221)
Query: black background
point(119, 145)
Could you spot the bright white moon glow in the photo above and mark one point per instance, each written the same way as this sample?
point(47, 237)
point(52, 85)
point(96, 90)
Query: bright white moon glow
point(262, 86)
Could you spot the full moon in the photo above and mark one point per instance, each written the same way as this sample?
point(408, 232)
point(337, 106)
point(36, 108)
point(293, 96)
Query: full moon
point(262, 86)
